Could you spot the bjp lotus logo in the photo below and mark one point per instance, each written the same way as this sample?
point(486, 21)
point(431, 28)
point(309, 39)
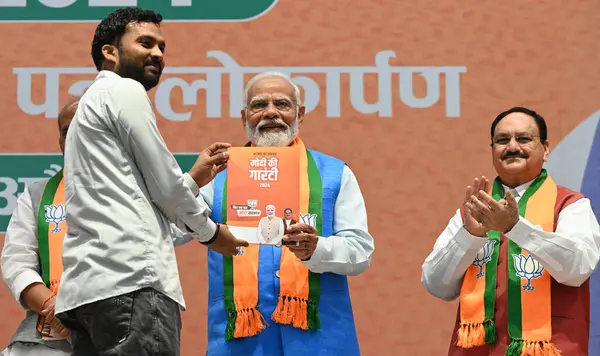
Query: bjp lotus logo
point(252, 203)
point(527, 267)
point(310, 219)
point(484, 256)
point(55, 214)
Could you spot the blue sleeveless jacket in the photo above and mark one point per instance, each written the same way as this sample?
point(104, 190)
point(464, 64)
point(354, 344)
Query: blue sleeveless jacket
point(337, 335)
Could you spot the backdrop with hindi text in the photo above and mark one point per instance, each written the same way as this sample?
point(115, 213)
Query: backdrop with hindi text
point(404, 92)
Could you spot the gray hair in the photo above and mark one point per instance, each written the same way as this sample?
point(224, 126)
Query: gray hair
point(263, 75)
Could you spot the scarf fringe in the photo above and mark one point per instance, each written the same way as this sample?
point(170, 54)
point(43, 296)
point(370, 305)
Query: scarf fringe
point(476, 334)
point(299, 312)
point(532, 348)
point(314, 319)
point(244, 323)
point(490, 331)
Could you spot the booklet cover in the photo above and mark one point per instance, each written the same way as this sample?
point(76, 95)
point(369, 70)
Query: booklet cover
point(263, 192)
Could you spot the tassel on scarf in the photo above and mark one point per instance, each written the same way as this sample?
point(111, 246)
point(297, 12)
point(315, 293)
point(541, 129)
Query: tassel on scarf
point(295, 311)
point(532, 348)
point(244, 323)
point(471, 335)
point(249, 322)
point(314, 320)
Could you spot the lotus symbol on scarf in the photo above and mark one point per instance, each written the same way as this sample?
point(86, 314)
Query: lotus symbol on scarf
point(484, 256)
point(527, 267)
point(55, 214)
point(309, 219)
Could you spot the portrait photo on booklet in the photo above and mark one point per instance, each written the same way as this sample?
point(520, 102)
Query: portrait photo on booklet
point(259, 180)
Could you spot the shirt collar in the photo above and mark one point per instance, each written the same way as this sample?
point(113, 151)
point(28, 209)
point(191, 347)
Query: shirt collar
point(520, 190)
point(107, 74)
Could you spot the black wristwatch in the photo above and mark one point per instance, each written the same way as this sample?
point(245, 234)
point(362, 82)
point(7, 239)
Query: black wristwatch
point(214, 236)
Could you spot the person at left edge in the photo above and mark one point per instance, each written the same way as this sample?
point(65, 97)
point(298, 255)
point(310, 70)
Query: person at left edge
point(120, 292)
point(31, 257)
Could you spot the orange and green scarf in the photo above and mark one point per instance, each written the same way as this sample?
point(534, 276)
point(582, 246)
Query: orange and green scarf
point(300, 290)
point(529, 314)
point(51, 232)
point(52, 229)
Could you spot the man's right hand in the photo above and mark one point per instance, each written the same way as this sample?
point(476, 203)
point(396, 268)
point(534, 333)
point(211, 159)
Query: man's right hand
point(209, 163)
point(51, 320)
point(472, 217)
point(227, 244)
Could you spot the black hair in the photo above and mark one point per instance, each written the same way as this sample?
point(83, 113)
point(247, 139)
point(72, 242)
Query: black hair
point(539, 120)
point(113, 26)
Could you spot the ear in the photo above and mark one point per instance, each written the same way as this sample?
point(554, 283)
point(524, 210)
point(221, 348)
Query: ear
point(111, 54)
point(301, 112)
point(546, 150)
point(244, 117)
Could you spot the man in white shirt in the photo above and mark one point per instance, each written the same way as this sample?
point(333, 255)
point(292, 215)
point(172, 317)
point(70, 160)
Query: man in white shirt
point(25, 265)
point(120, 291)
point(270, 227)
point(519, 261)
point(331, 242)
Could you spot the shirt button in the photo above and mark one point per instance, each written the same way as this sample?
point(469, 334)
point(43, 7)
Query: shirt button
point(277, 273)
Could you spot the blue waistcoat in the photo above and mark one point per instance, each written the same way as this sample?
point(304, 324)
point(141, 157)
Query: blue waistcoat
point(337, 335)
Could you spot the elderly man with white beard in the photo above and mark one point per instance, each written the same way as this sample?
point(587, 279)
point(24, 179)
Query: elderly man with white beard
point(307, 276)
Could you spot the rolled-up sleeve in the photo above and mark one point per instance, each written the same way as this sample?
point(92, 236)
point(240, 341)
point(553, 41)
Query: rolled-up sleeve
point(20, 258)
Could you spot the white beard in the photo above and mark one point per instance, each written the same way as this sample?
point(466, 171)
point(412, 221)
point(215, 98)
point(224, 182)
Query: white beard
point(272, 139)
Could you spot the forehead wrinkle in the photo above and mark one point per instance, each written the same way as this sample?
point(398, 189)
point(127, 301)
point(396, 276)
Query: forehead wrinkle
point(258, 98)
point(516, 133)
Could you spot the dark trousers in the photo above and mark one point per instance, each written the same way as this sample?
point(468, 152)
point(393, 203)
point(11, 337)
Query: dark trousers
point(140, 323)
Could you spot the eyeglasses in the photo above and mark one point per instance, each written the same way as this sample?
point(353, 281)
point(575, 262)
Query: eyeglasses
point(261, 105)
point(522, 139)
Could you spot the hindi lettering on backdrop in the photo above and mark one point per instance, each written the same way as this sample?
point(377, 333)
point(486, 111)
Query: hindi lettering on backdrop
point(304, 77)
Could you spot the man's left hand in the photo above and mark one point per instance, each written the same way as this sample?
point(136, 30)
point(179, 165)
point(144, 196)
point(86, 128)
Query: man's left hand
point(500, 215)
point(302, 240)
point(210, 162)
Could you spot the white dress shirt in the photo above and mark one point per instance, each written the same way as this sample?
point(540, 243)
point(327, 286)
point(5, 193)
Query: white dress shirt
point(122, 187)
point(20, 254)
point(570, 254)
point(349, 250)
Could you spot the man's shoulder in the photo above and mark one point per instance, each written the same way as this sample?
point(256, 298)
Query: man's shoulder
point(567, 191)
point(566, 196)
point(38, 185)
point(119, 87)
point(324, 156)
point(126, 87)
point(328, 162)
